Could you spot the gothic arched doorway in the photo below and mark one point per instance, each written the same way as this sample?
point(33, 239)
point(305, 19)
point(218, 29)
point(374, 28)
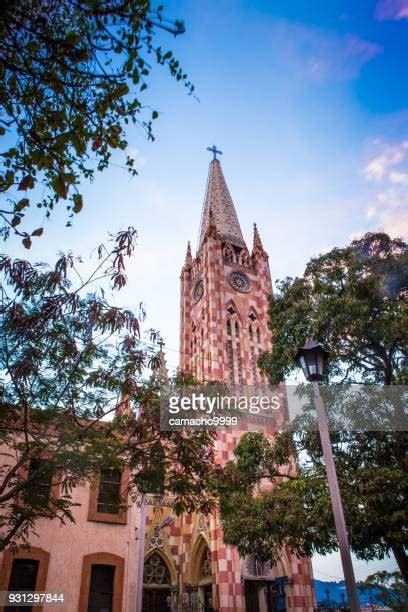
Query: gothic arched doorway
point(201, 576)
point(156, 585)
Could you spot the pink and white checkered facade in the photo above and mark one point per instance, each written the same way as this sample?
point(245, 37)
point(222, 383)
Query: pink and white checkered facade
point(223, 330)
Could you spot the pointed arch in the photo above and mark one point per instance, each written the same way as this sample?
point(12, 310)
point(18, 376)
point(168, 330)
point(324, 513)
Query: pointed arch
point(244, 259)
point(258, 335)
point(251, 332)
point(233, 312)
point(236, 329)
point(167, 562)
point(252, 315)
point(229, 253)
point(199, 550)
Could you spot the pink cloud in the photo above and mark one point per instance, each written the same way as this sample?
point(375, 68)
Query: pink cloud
point(391, 10)
point(388, 207)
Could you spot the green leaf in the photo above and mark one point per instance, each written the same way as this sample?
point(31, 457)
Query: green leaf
point(22, 204)
point(77, 198)
point(59, 186)
point(155, 114)
point(26, 183)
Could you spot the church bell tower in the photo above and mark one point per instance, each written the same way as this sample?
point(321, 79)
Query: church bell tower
point(223, 330)
point(224, 294)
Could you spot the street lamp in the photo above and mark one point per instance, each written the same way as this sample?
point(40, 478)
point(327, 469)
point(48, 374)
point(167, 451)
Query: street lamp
point(313, 359)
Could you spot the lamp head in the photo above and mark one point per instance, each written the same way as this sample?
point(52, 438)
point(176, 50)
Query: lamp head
point(313, 359)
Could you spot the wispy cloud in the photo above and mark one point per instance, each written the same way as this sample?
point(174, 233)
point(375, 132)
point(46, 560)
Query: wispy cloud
point(378, 168)
point(319, 56)
point(391, 10)
point(389, 208)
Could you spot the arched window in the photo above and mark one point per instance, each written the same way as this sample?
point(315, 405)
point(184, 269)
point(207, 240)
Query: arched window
point(236, 329)
point(229, 254)
point(251, 333)
point(244, 258)
point(230, 360)
point(228, 327)
point(102, 582)
point(258, 336)
point(205, 566)
point(156, 571)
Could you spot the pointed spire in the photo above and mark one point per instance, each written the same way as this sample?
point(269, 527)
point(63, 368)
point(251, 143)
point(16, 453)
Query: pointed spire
point(257, 245)
point(189, 259)
point(160, 373)
point(218, 204)
point(124, 407)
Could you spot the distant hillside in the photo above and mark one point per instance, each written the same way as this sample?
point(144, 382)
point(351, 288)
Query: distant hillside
point(336, 589)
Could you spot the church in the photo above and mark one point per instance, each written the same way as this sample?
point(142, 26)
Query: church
point(144, 559)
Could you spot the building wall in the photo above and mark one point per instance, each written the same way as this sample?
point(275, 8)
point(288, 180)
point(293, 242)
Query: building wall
point(68, 544)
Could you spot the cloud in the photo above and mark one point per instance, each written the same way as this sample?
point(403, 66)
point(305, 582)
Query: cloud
point(398, 177)
point(391, 10)
point(395, 224)
point(377, 168)
point(390, 211)
point(318, 56)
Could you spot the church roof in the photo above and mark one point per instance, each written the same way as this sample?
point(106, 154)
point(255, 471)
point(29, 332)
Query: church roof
point(218, 204)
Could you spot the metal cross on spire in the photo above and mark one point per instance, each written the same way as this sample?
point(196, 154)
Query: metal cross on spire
point(214, 151)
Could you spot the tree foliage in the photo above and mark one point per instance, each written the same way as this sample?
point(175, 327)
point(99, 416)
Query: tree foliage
point(72, 73)
point(294, 509)
point(71, 368)
point(354, 301)
point(391, 591)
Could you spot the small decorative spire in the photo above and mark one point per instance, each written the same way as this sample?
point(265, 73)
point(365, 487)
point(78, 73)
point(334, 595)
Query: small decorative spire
point(124, 407)
point(160, 373)
point(189, 258)
point(257, 245)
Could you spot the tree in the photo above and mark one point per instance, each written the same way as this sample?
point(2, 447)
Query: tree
point(389, 588)
point(354, 301)
point(71, 367)
point(72, 73)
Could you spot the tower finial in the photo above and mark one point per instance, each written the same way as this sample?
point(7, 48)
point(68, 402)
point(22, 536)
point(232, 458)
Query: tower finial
point(189, 258)
point(214, 151)
point(257, 246)
point(159, 370)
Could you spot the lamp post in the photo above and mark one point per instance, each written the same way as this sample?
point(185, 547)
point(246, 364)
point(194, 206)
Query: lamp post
point(312, 358)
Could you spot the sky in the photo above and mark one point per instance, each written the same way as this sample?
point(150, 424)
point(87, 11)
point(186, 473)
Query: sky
point(307, 100)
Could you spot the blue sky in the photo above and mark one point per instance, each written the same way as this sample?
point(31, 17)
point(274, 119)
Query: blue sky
point(307, 100)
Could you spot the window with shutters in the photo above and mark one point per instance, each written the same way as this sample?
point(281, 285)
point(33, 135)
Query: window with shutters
point(108, 497)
